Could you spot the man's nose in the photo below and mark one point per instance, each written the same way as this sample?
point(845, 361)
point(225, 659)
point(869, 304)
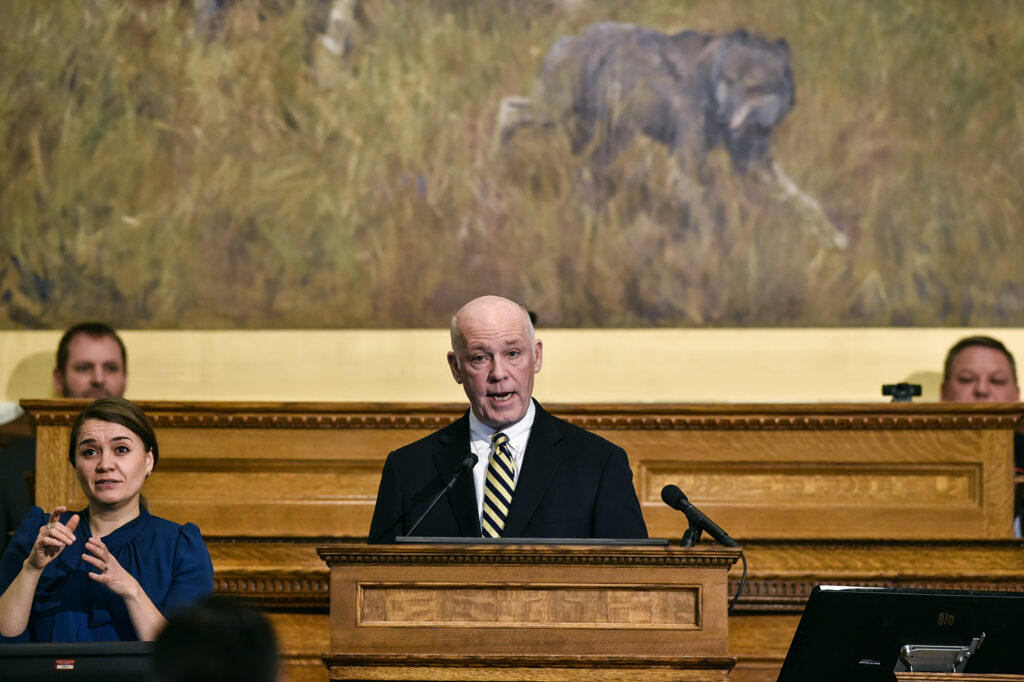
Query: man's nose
point(498, 369)
point(97, 376)
point(982, 389)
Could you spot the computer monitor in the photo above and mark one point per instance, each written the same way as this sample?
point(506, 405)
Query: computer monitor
point(76, 661)
point(855, 634)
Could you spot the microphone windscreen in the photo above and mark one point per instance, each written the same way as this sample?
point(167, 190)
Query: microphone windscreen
point(672, 496)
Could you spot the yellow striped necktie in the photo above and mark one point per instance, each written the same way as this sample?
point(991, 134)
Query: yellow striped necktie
point(501, 481)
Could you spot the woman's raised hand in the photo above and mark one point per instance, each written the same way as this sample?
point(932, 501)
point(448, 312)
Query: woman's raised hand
point(52, 539)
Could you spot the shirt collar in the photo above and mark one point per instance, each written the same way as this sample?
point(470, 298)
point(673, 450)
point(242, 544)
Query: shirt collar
point(480, 431)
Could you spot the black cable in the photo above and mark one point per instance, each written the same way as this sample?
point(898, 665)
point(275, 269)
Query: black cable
point(743, 581)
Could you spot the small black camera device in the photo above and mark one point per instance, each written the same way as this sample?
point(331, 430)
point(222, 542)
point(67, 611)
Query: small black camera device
point(901, 393)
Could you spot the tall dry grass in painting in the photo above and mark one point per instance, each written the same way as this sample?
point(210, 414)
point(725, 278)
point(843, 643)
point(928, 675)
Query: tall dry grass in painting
point(157, 176)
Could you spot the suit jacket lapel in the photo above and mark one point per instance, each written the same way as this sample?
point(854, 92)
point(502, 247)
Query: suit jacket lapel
point(540, 462)
point(462, 497)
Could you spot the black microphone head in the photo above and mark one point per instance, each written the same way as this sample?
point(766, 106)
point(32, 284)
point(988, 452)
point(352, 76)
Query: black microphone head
point(673, 496)
point(469, 462)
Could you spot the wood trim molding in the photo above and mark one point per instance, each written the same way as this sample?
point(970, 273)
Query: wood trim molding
point(311, 591)
point(785, 596)
point(525, 661)
point(514, 554)
point(272, 590)
point(417, 416)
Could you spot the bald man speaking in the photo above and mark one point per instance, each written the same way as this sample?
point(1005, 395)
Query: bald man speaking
point(534, 475)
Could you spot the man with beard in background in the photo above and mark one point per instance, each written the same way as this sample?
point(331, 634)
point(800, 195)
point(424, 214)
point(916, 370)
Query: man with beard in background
point(91, 363)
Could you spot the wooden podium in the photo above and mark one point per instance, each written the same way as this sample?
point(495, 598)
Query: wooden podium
point(528, 612)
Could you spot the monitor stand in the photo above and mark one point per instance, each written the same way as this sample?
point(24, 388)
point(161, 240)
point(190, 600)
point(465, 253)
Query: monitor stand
point(924, 658)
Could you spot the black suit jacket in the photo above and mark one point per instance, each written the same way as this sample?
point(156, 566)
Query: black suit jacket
point(15, 498)
point(573, 484)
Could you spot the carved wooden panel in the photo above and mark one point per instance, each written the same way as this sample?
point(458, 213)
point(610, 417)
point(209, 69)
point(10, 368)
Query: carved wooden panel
point(909, 483)
point(486, 604)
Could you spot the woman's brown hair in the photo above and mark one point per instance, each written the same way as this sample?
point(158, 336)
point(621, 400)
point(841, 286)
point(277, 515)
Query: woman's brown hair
point(116, 411)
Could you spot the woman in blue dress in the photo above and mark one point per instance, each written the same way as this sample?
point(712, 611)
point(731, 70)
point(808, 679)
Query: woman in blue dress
point(113, 570)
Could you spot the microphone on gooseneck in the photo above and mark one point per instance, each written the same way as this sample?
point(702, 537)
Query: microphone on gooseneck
point(465, 465)
point(674, 497)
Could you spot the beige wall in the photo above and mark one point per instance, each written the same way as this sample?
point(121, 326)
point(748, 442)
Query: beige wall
point(640, 365)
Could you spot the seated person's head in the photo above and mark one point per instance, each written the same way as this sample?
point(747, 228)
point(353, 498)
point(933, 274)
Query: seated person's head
point(980, 369)
point(91, 362)
point(219, 638)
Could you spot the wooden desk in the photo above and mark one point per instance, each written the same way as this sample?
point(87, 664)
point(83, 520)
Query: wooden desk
point(898, 492)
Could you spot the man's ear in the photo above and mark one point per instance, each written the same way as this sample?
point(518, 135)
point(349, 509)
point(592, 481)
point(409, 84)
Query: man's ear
point(538, 356)
point(453, 365)
point(58, 381)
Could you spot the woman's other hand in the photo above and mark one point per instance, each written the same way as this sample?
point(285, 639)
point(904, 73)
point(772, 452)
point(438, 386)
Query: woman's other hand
point(146, 618)
point(108, 570)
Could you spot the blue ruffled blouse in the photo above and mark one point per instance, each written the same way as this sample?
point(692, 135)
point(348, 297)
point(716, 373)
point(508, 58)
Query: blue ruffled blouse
point(170, 561)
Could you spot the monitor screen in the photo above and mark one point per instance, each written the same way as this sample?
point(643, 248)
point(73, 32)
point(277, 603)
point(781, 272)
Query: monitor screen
point(76, 661)
point(854, 634)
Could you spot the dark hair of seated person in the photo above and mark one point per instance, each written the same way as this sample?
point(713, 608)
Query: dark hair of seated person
point(217, 639)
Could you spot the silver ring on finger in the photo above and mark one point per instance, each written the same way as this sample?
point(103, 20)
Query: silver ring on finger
point(105, 567)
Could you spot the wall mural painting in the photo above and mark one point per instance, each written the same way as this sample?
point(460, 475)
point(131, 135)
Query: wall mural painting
point(374, 163)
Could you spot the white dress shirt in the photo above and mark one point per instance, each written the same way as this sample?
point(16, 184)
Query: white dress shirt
point(480, 443)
